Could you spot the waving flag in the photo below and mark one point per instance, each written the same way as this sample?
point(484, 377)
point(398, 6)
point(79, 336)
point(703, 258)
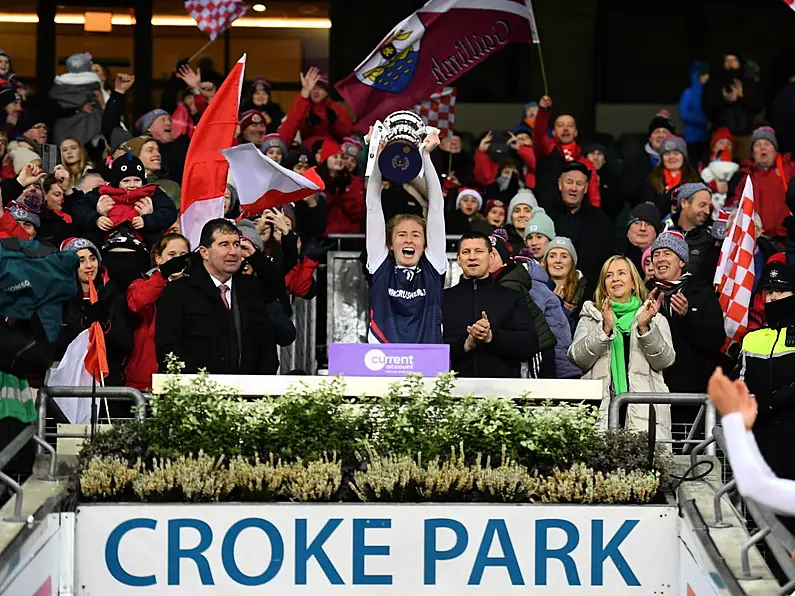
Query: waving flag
point(213, 17)
point(84, 364)
point(439, 111)
point(262, 183)
point(206, 170)
point(735, 274)
point(431, 49)
point(790, 3)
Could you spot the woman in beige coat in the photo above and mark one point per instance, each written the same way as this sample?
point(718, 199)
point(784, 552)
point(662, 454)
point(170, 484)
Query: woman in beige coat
point(623, 341)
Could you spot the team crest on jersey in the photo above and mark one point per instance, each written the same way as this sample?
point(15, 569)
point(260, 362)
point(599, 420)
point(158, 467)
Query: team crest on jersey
point(392, 66)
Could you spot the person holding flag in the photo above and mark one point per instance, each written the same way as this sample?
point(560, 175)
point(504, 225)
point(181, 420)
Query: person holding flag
point(407, 261)
point(109, 310)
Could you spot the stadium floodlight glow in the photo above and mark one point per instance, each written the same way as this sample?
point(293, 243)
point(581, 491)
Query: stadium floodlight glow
point(259, 7)
point(176, 21)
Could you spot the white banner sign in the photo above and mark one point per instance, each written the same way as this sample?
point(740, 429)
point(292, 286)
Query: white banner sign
point(318, 550)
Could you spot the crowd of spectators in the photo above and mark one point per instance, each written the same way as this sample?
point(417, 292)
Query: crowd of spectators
point(596, 261)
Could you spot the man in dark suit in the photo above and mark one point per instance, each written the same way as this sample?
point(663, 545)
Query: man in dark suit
point(216, 317)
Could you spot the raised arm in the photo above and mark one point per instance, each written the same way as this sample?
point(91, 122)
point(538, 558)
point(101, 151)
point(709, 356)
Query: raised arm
point(435, 236)
point(375, 234)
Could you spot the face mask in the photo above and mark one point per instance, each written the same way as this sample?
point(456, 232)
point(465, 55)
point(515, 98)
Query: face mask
point(779, 311)
point(503, 181)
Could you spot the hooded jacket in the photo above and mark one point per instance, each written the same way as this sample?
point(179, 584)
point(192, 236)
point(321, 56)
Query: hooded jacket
point(556, 318)
point(141, 298)
point(517, 278)
point(514, 337)
point(649, 355)
point(70, 92)
point(737, 116)
point(316, 121)
point(690, 110)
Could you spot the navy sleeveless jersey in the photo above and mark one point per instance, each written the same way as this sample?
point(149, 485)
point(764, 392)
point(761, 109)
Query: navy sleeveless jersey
point(406, 303)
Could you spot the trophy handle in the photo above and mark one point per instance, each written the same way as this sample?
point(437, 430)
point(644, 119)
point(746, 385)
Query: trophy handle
point(374, 142)
point(428, 130)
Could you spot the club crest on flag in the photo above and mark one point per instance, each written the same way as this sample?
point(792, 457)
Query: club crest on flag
point(392, 66)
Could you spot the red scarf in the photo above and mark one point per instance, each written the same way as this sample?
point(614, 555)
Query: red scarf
point(781, 173)
point(672, 179)
point(569, 151)
point(725, 155)
point(124, 209)
point(64, 216)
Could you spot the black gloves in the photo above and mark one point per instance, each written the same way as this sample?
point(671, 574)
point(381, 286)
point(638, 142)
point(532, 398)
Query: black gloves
point(175, 265)
point(96, 312)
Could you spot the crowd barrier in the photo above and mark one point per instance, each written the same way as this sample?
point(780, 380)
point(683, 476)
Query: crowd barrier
point(10, 452)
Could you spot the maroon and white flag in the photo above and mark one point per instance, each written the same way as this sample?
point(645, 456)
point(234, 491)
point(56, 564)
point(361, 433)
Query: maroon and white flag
point(213, 17)
point(431, 49)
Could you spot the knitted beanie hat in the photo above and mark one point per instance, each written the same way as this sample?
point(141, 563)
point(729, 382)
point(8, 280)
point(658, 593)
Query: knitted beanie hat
point(524, 197)
point(662, 120)
point(675, 242)
point(673, 143)
point(540, 224)
point(499, 242)
point(766, 133)
point(147, 120)
point(77, 244)
point(469, 192)
point(26, 208)
point(687, 190)
point(647, 212)
point(250, 117)
point(564, 243)
point(274, 140)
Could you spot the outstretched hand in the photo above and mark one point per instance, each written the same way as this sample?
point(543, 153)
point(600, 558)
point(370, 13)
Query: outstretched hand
point(730, 397)
point(431, 142)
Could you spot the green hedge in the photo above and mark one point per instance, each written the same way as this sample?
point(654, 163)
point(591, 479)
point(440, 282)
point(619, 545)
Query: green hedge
point(202, 442)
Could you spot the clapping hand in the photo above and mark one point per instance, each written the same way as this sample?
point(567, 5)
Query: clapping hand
point(730, 397)
point(679, 304)
point(650, 308)
point(481, 330)
point(608, 320)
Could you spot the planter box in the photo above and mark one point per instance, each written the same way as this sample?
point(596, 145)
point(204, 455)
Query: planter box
point(392, 549)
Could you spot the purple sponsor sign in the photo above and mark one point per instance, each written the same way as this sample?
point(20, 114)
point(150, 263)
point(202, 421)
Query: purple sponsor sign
point(388, 360)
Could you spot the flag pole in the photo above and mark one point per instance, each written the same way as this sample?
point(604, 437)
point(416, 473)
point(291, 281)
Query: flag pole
point(543, 69)
point(200, 50)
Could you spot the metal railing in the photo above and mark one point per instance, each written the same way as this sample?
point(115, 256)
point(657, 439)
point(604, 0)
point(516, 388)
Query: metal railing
point(10, 452)
point(707, 412)
point(109, 393)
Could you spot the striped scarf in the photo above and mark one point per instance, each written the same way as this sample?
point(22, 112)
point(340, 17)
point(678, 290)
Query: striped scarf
point(668, 289)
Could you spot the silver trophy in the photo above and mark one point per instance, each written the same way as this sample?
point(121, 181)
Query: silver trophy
point(400, 160)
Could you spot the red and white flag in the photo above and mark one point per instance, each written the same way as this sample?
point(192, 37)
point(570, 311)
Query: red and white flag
point(84, 363)
point(439, 111)
point(262, 183)
point(431, 49)
point(206, 169)
point(790, 3)
point(734, 277)
point(213, 17)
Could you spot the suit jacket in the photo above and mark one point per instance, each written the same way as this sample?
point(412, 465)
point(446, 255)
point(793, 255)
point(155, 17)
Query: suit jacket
point(192, 322)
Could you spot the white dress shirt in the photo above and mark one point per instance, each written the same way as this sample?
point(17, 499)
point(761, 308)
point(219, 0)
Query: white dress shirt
point(228, 284)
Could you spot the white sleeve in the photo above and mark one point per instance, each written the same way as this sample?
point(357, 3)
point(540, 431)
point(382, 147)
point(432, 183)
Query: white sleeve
point(435, 235)
point(754, 477)
point(375, 234)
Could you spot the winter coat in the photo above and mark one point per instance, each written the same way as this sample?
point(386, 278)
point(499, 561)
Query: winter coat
point(517, 278)
point(85, 216)
point(315, 122)
point(487, 170)
point(345, 205)
point(71, 92)
point(456, 223)
point(557, 319)
point(141, 298)
point(737, 116)
point(550, 162)
point(118, 336)
point(591, 231)
point(770, 193)
point(704, 250)
point(690, 110)
point(697, 339)
point(635, 177)
point(514, 337)
point(168, 186)
point(515, 238)
point(610, 193)
point(649, 355)
point(192, 322)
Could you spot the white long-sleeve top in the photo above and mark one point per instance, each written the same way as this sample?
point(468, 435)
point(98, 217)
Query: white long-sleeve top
point(755, 479)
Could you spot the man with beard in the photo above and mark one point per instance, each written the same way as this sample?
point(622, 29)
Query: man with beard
point(694, 315)
point(694, 201)
point(732, 99)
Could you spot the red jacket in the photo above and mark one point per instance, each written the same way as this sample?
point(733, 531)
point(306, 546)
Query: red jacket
point(345, 209)
point(299, 279)
point(298, 114)
point(770, 194)
point(142, 362)
point(9, 228)
point(487, 171)
point(544, 146)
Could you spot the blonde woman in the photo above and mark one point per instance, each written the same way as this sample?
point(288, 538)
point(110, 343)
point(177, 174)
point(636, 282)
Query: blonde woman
point(560, 262)
point(74, 159)
point(623, 341)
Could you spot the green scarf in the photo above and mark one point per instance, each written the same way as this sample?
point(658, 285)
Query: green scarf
point(623, 315)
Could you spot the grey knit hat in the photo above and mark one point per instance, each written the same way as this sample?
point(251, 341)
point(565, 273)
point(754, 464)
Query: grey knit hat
point(687, 190)
point(541, 223)
point(248, 230)
point(564, 243)
point(675, 242)
point(672, 143)
point(766, 133)
point(76, 244)
point(148, 119)
point(27, 211)
point(524, 197)
point(80, 62)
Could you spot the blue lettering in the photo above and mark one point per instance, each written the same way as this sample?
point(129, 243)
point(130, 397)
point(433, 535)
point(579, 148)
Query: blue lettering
point(432, 555)
point(563, 554)
point(176, 552)
point(228, 552)
point(361, 550)
point(600, 554)
point(304, 552)
point(496, 527)
point(112, 553)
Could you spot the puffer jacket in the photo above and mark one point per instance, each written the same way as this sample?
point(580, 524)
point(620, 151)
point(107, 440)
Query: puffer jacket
point(517, 278)
point(556, 318)
point(649, 355)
